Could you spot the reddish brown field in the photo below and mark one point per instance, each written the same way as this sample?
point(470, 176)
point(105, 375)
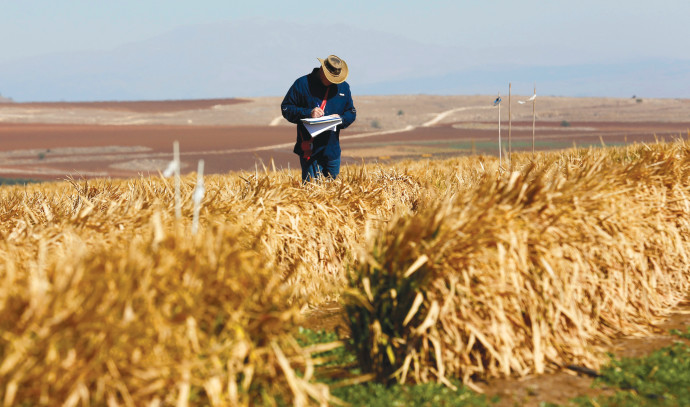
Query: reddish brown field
point(50, 151)
point(123, 139)
point(139, 106)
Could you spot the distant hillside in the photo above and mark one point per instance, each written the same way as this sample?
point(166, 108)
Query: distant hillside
point(231, 59)
point(263, 58)
point(5, 99)
point(651, 78)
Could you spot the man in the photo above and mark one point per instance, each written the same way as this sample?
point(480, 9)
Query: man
point(323, 92)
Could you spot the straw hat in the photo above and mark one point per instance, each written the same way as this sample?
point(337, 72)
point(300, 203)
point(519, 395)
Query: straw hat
point(334, 68)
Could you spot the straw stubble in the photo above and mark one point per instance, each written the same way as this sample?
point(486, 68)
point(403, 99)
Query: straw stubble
point(534, 271)
point(106, 297)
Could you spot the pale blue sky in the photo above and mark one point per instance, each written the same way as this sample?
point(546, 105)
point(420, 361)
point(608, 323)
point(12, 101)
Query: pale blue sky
point(595, 30)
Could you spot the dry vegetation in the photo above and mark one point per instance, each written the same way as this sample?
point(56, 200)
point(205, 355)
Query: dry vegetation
point(451, 268)
point(529, 272)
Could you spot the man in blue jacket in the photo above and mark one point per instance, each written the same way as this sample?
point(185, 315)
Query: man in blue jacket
point(323, 92)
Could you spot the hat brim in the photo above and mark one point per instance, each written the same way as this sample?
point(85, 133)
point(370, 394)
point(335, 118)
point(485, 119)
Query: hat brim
point(334, 78)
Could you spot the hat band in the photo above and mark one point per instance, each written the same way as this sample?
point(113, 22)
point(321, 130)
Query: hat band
point(333, 70)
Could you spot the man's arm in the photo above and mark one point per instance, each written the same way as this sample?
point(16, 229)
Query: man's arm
point(350, 113)
point(293, 107)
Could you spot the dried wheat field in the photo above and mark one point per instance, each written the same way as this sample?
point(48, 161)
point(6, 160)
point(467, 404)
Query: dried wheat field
point(453, 269)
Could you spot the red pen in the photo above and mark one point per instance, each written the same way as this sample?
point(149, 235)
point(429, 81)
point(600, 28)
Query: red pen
point(323, 104)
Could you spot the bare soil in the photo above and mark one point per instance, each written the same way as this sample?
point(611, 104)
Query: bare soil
point(55, 151)
point(139, 106)
point(124, 139)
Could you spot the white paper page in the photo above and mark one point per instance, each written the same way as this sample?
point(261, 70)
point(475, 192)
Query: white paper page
point(324, 119)
point(318, 128)
point(318, 125)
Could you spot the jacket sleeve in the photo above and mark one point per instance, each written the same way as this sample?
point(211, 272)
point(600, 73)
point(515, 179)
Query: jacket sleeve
point(294, 106)
point(350, 113)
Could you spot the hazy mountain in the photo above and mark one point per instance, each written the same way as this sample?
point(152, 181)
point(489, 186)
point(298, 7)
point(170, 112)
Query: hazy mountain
point(263, 58)
point(645, 78)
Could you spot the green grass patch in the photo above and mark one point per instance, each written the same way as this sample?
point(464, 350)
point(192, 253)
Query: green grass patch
point(659, 379)
point(379, 395)
point(340, 356)
point(17, 181)
point(430, 394)
point(681, 334)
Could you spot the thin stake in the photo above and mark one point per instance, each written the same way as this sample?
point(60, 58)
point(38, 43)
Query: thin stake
point(198, 196)
point(510, 129)
point(500, 160)
point(534, 115)
point(178, 201)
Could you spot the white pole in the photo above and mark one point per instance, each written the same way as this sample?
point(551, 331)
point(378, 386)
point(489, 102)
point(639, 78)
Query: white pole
point(178, 201)
point(198, 196)
point(510, 128)
point(534, 115)
point(500, 153)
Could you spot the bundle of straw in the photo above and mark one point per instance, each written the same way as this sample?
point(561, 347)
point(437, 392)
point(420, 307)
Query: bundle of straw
point(133, 309)
point(162, 319)
point(528, 273)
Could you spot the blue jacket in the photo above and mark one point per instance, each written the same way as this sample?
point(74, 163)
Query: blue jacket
point(307, 93)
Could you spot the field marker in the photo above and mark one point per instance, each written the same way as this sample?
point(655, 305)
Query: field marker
point(534, 114)
point(178, 201)
point(198, 196)
point(174, 168)
point(533, 99)
point(510, 129)
point(497, 102)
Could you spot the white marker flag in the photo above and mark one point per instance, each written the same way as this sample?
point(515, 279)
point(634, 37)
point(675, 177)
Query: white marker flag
point(198, 196)
point(522, 102)
point(170, 169)
point(199, 191)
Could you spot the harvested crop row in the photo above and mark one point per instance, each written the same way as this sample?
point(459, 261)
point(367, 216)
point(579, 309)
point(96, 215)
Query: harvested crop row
point(308, 232)
point(530, 272)
point(162, 319)
point(106, 297)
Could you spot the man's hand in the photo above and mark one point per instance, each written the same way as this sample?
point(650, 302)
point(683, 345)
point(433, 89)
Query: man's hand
point(316, 112)
point(334, 115)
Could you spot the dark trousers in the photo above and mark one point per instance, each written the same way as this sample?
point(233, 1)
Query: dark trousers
point(316, 167)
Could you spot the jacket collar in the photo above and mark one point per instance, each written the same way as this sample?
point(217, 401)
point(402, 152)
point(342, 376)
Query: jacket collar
point(314, 79)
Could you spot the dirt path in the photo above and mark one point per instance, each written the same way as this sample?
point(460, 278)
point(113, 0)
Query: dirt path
point(276, 121)
point(443, 115)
